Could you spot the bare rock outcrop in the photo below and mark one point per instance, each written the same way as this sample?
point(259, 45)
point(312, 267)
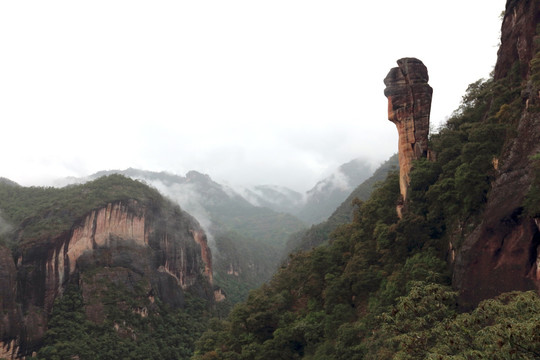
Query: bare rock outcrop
point(409, 107)
point(9, 311)
point(517, 37)
point(123, 242)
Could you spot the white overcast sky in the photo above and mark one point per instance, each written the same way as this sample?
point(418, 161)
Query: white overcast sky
point(249, 92)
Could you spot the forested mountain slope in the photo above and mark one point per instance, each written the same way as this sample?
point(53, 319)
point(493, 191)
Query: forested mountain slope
point(389, 287)
point(107, 269)
point(319, 202)
point(320, 233)
point(327, 194)
point(247, 240)
point(503, 245)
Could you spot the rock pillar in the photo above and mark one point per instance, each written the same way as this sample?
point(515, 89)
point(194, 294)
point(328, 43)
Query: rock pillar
point(409, 106)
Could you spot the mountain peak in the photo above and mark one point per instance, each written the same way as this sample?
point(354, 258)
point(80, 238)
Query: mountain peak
point(194, 175)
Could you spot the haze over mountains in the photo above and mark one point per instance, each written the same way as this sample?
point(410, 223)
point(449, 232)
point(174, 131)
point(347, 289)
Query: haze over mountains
point(250, 231)
point(208, 200)
point(437, 260)
point(318, 203)
point(247, 241)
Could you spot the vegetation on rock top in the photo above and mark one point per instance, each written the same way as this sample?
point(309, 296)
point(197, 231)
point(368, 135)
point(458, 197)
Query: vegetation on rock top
point(46, 212)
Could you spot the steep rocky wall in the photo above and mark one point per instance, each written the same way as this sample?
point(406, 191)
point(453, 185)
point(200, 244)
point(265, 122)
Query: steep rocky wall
point(517, 36)
point(501, 254)
point(200, 238)
point(409, 107)
point(165, 248)
point(10, 315)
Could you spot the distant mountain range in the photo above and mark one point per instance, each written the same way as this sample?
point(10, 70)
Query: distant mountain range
point(319, 233)
point(277, 198)
point(213, 203)
point(318, 203)
point(248, 229)
point(216, 206)
point(329, 193)
point(246, 240)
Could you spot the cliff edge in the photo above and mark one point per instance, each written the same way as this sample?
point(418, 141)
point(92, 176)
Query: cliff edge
point(144, 245)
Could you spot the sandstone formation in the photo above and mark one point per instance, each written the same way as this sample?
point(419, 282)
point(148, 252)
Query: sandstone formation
point(517, 37)
point(409, 106)
point(10, 313)
point(502, 253)
point(124, 243)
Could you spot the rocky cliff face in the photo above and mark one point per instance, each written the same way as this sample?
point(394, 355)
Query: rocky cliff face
point(502, 253)
point(10, 312)
point(518, 32)
point(409, 107)
point(239, 232)
point(162, 247)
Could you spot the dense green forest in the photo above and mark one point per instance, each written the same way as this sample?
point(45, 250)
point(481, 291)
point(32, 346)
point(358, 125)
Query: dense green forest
point(47, 212)
point(247, 241)
point(381, 288)
point(158, 332)
point(132, 322)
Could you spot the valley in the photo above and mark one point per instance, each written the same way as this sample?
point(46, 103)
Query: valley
point(433, 254)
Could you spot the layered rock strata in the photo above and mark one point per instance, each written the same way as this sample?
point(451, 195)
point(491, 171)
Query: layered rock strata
point(409, 107)
point(121, 242)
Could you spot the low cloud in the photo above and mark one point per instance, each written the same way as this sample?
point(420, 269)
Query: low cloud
point(5, 226)
point(187, 197)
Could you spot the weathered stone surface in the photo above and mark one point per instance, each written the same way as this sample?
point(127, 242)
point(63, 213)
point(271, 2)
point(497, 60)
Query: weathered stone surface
point(409, 107)
point(517, 37)
point(162, 247)
point(502, 253)
point(10, 316)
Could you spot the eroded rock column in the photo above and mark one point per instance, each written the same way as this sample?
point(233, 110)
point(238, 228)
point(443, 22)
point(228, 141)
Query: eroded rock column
point(409, 106)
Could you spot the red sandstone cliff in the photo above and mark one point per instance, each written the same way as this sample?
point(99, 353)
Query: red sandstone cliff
point(502, 253)
point(165, 247)
point(409, 107)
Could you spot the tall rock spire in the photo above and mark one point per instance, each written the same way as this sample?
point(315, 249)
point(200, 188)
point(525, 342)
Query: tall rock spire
point(409, 105)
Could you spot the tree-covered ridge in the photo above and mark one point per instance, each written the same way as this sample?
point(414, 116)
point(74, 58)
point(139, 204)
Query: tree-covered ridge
point(118, 301)
point(46, 212)
point(154, 331)
point(320, 233)
point(247, 241)
point(380, 289)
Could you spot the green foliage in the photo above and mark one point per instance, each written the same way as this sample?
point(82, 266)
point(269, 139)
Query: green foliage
point(241, 264)
point(467, 149)
point(406, 330)
point(424, 324)
point(68, 329)
point(506, 327)
point(47, 212)
point(532, 199)
point(320, 233)
point(316, 306)
point(158, 332)
point(380, 288)
point(535, 61)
